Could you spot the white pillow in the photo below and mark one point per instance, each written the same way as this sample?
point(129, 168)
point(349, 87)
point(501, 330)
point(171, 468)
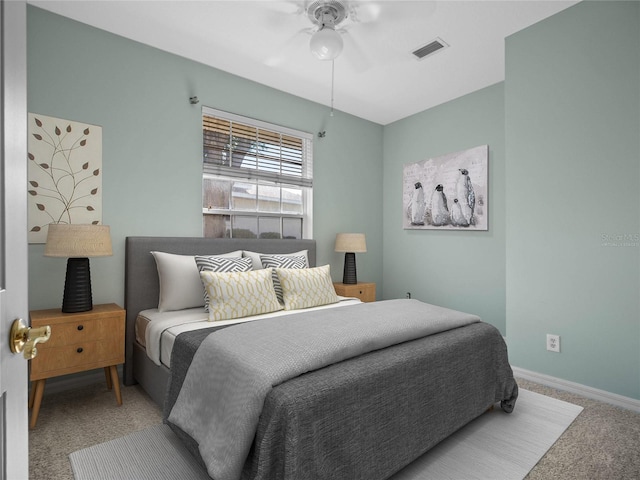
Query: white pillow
point(180, 285)
point(239, 294)
point(306, 287)
point(257, 263)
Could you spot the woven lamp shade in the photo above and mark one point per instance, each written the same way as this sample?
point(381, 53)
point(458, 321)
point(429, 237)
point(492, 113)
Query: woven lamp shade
point(351, 242)
point(77, 242)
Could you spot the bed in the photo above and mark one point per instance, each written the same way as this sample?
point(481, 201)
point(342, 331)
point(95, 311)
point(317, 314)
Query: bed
point(142, 290)
point(364, 416)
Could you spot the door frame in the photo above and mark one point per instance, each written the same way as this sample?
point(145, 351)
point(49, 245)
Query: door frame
point(14, 301)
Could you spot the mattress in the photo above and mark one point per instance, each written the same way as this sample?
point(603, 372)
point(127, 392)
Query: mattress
point(157, 331)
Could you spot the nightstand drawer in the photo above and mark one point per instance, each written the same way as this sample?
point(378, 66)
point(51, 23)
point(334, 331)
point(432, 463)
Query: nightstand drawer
point(70, 333)
point(365, 291)
point(52, 362)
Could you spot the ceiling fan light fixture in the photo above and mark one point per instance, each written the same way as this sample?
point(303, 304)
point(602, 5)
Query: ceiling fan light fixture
point(326, 43)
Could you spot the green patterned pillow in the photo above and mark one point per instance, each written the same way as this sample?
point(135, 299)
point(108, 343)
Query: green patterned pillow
point(306, 287)
point(239, 294)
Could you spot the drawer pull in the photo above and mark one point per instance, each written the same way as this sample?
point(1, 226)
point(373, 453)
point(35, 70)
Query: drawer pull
point(79, 350)
point(80, 327)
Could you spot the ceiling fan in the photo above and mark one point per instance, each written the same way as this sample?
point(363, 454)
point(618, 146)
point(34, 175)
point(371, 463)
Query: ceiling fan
point(326, 43)
point(332, 23)
point(328, 19)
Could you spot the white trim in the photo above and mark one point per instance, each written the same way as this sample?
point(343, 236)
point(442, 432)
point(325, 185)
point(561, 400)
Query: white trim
point(307, 222)
point(577, 388)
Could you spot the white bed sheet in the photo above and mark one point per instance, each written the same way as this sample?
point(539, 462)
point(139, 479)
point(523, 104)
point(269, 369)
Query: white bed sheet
point(162, 328)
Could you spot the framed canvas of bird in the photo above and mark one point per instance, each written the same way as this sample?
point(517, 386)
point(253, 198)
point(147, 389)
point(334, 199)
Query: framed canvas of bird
point(448, 192)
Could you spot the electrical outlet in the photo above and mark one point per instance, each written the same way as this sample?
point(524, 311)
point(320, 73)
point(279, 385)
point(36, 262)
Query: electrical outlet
point(553, 343)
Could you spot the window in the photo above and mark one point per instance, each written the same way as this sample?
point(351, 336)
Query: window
point(257, 179)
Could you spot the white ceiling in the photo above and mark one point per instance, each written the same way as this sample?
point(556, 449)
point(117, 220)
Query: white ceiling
point(376, 76)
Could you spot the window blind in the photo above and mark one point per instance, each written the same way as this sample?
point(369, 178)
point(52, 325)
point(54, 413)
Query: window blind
point(236, 148)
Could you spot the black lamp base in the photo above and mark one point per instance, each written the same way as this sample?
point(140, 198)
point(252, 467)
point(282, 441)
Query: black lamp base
point(77, 286)
point(349, 276)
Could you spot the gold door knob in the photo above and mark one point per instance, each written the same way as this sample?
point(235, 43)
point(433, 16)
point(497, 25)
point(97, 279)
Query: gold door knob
point(23, 339)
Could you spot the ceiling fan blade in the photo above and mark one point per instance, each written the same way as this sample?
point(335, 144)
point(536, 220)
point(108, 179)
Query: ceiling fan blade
point(355, 54)
point(365, 12)
point(284, 50)
point(286, 7)
point(282, 14)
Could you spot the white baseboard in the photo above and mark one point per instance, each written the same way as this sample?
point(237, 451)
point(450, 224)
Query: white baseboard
point(584, 390)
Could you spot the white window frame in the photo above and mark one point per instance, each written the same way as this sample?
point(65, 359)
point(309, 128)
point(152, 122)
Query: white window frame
point(305, 182)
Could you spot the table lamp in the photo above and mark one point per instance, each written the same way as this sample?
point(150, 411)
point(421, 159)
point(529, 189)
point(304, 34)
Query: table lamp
point(77, 243)
point(350, 243)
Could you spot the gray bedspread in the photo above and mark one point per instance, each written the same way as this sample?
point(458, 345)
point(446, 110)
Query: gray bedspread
point(362, 418)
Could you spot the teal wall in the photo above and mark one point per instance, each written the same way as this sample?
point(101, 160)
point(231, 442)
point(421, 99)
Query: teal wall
point(152, 150)
point(462, 270)
point(572, 96)
point(564, 162)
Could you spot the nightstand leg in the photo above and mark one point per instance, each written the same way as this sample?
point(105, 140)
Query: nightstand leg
point(116, 383)
point(37, 401)
point(107, 374)
point(32, 395)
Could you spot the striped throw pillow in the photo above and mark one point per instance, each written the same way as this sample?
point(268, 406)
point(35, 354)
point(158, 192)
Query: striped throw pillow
point(282, 261)
point(220, 264)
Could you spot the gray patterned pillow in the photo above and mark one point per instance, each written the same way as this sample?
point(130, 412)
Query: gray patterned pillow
point(221, 264)
point(282, 261)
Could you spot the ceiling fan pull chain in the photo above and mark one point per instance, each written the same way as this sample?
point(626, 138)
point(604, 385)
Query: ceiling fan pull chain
point(332, 78)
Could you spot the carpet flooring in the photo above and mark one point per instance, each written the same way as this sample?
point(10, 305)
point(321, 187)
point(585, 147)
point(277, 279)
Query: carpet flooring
point(602, 443)
point(495, 446)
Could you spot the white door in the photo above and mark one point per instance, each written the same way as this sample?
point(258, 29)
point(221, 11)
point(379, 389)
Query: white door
point(14, 437)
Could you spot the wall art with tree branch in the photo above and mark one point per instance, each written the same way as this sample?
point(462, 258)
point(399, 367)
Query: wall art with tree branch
point(65, 174)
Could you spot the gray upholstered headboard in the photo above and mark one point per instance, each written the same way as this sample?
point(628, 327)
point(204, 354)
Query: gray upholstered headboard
point(141, 287)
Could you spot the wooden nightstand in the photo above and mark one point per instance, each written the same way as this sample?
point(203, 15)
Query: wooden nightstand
point(79, 342)
point(362, 290)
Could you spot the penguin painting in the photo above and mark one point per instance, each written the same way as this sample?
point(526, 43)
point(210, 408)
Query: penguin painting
point(439, 209)
point(466, 196)
point(457, 217)
point(417, 205)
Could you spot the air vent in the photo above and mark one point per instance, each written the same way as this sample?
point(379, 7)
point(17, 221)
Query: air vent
point(430, 48)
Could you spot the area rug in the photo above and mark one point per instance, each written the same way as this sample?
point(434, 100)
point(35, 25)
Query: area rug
point(495, 446)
